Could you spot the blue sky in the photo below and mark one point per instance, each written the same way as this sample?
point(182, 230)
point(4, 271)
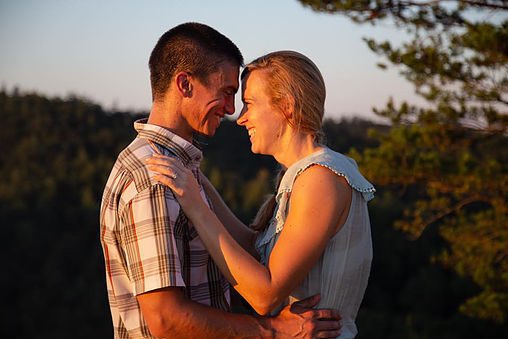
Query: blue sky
point(100, 49)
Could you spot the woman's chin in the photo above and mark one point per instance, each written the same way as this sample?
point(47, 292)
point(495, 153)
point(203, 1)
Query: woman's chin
point(254, 149)
point(258, 151)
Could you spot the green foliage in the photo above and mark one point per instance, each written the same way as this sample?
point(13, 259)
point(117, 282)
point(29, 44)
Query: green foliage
point(450, 157)
point(56, 156)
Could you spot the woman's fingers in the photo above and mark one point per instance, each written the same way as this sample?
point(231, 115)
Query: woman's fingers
point(165, 160)
point(165, 180)
point(165, 170)
point(161, 161)
point(167, 165)
point(171, 172)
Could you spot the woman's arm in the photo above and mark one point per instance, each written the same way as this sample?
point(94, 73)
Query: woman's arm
point(244, 235)
point(319, 205)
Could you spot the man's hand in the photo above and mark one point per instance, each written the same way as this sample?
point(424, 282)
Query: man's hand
point(300, 320)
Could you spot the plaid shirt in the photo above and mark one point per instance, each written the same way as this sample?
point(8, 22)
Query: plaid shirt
point(147, 240)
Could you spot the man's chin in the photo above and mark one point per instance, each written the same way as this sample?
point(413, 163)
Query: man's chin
point(207, 130)
point(209, 133)
point(206, 133)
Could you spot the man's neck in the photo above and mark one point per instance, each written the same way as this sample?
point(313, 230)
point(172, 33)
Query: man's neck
point(168, 116)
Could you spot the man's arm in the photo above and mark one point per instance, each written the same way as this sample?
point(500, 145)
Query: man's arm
point(168, 313)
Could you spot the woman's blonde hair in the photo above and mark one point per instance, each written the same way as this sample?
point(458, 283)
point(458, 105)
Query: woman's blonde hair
point(295, 80)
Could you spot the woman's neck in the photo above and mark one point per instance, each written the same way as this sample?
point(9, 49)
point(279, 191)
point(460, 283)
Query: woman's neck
point(294, 147)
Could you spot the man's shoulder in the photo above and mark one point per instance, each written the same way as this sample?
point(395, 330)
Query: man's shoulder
point(131, 163)
point(130, 175)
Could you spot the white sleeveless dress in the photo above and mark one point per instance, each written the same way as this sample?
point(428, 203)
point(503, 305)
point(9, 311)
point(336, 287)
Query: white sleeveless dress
point(342, 271)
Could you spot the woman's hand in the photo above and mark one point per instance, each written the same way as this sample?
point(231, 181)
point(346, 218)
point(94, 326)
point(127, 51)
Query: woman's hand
point(180, 179)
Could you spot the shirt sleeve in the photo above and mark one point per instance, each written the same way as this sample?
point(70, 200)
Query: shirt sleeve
point(148, 239)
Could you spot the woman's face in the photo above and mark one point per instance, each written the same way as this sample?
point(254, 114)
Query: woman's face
point(264, 122)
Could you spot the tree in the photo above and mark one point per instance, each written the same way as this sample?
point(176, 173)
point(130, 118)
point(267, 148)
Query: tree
point(55, 159)
point(53, 177)
point(451, 154)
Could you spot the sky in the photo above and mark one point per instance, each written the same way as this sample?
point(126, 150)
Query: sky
point(99, 49)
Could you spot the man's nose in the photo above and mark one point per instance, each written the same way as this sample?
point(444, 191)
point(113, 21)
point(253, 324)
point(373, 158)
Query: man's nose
point(230, 105)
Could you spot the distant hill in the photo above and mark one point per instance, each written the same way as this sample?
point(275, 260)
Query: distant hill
point(56, 154)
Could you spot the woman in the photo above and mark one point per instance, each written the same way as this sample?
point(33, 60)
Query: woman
point(314, 234)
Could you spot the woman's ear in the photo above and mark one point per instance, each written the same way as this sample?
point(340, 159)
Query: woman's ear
point(288, 107)
point(184, 84)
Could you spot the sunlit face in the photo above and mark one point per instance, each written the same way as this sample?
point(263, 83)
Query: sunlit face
point(210, 103)
point(264, 121)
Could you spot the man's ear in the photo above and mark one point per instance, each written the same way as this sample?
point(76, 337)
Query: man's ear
point(184, 84)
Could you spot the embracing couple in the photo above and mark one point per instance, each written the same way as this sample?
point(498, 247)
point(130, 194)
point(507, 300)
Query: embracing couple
point(173, 248)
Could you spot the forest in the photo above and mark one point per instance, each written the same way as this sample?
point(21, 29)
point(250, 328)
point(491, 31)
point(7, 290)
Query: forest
point(439, 218)
point(56, 156)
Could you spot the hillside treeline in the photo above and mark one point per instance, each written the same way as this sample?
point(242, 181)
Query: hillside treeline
point(55, 158)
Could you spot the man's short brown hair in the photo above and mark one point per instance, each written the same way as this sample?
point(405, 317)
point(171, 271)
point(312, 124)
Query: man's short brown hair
point(190, 47)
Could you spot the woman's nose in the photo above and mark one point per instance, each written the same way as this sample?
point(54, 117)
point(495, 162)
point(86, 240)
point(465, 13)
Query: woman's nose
point(241, 118)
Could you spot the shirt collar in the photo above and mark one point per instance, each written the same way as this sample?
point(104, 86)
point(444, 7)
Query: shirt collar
point(189, 154)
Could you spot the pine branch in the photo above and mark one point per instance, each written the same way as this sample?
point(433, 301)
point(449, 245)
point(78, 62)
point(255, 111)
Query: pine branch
point(503, 6)
point(453, 209)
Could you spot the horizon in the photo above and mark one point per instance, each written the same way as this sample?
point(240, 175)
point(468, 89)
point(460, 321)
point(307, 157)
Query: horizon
point(91, 50)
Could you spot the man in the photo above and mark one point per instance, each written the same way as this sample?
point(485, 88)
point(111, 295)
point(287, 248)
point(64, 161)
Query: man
point(161, 280)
